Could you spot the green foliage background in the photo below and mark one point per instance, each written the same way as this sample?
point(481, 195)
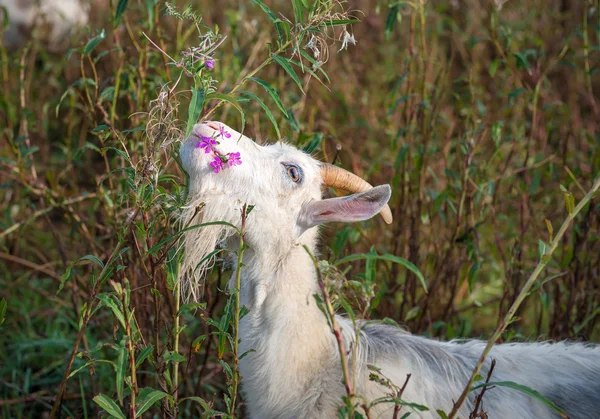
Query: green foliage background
point(484, 120)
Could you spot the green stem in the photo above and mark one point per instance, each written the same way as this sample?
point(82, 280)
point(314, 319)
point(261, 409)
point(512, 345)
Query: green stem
point(241, 82)
point(44, 211)
point(87, 316)
point(521, 297)
point(236, 319)
point(337, 332)
point(176, 343)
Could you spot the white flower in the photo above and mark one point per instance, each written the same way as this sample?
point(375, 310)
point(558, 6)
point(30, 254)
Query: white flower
point(347, 39)
point(313, 46)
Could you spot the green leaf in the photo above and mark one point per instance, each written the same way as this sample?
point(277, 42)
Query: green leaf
point(390, 258)
point(230, 99)
point(273, 18)
point(119, 13)
point(289, 69)
point(144, 353)
point(442, 414)
point(524, 389)
point(93, 43)
point(307, 69)
point(67, 275)
point(493, 67)
point(569, 202)
point(272, 92)
point(194, 110)
point(298, 11)
point(390, 21)
point(157, 246)
point(209, 412)
point(266, 109)
point(121, 370)
point(175, 357)
point(92, 258)
point(93, 361)
point(341, 22)
point(148, 397)
point(313, 143)
point(186, 308)
point(2, 310)
point(150, 9)
point(107, 301)
point(316, 65)
point(109, 406)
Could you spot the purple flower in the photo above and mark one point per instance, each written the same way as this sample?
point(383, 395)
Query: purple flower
point(206, 143)
point(217, 164)
point(234, 159)
point(224, 134)
point(209, 64)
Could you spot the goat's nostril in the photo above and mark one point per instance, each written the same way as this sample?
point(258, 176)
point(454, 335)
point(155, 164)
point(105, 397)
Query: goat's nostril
point(213, 125)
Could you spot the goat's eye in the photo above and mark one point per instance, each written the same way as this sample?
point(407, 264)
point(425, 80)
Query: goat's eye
point(293, 173)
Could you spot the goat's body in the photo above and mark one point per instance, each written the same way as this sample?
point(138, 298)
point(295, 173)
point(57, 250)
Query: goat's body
point(294, 370)
point(58, 17)
point(291, 367)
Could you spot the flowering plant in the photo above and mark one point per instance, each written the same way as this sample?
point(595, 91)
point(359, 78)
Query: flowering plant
point(208, 145)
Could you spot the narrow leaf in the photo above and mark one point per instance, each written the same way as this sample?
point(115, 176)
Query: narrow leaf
point(298, 11)
point(289, 69)
point(109, 406)
point(266, 109)
point(273, 18)
point(390, 21)
point(272, 92)
point(194, 110)
point(148, 400)
point(121, 370)
point(229, 99)
point(143, 355)
point(119, 13)
point(93, 43)
point(2, 310)
point(524, 389)
point(390, 258)
point(106, 300)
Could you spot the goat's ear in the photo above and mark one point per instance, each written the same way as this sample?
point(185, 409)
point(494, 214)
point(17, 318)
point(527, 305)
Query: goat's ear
point(352, 208)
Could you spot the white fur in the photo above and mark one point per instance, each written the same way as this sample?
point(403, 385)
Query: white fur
point(294, 370)
point(61, 16)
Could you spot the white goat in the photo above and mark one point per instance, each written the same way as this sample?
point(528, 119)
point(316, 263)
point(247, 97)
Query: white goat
point(58, 17)
point(294, 370)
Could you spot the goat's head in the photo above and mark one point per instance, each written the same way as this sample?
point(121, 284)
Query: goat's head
point(283, 184)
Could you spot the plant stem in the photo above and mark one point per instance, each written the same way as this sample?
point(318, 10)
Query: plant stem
point(521, 297)
point(176, 343)
point(335, 329)
point(86, 317)
point(240, 82)
point(236, 319)
point(44, 211)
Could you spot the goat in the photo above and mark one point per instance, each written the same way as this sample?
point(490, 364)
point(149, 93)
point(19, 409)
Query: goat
point(58, 17)
point(294, 370)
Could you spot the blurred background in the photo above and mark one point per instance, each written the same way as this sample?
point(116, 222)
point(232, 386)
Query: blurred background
point(482, 115)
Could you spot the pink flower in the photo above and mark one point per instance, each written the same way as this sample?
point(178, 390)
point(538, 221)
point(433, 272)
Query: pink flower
point(234, 159)
point(206, 143)
point(224, 134)
point(217, 164)
point(209, 64)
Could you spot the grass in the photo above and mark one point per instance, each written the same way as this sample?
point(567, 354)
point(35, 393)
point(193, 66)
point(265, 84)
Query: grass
point(483, 120)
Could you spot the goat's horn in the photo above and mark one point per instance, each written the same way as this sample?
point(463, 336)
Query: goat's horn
point(336, 177)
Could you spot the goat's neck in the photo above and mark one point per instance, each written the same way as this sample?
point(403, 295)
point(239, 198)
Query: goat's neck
point(284, 326)
point(281, 278)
